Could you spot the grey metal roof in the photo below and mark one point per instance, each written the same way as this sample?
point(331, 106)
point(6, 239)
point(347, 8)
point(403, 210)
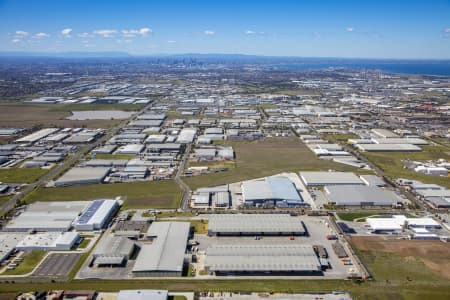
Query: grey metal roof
point(114, 246)
point(142, 295)
point(166, 252)
point(330, 178)
point(270, 188)
point(355, 195)
point(261, 258)
point(79, 175)
point(254, 223)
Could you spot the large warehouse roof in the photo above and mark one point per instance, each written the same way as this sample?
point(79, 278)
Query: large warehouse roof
point(166, 252)
point(36, 136)
point(251, 223)
point(261, 258)
point(270, 188)
point(388, 147)
point(47, 216)
point(330, 178)
point(83, 175)
point(95, 216)
point(361, 195)
point(142, 295)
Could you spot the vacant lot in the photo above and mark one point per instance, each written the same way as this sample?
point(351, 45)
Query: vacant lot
point(398, 260)
point(269, 157)
point(392, 165)
point(21, 175)
point(30, 261)
point(30, 115)
point(147, 194)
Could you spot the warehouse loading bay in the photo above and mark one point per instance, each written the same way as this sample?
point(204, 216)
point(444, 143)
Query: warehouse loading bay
point(318, 230)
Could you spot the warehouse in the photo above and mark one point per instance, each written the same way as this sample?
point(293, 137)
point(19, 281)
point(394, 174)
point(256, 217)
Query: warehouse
point(164, 256)
point(97, 215)
point(252, 224)
point(262, 259)
point(8, 242)
point(187, 135)
point(113, 251)
point(36, 136)
point(146, 123)
point(83, 175)
point(276, 191)
point(399, 222)
point(47, 216)
point(384, 133)
point(360, 196)
point(143, 295)
point(388, 147)
point(330, 178)
point(412, 141)
point(49, 241)
point(151, 116)
point(131, 149)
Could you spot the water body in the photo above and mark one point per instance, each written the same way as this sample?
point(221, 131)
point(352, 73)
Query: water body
point(100, 115)
point(441, 68)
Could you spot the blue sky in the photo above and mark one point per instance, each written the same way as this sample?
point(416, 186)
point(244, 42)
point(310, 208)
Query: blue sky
point(364, 28)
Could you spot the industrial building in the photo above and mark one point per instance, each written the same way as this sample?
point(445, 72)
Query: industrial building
point(83, 175)
point(96, 216)
point(112, 251)
point(142, 295)
point(348, 195)
point(388, 147)
point(399, 222)
point(164, 256)
point(276, 191)
point(330, 178)
point(8, 242)
point(36, 136)
point(253, 224)
point(49, 241)
point(187, 135)
point(262, 259)
point(47, 216)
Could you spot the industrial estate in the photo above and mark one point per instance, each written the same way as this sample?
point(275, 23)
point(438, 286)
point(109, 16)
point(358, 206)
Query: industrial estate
point(191, 179)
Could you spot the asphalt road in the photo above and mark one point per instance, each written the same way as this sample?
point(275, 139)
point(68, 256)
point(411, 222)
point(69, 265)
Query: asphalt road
point(186, 189)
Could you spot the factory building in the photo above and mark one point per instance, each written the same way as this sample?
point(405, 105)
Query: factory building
point(330, 178)
point(143, 295)
point(165, 255)
point(36, 136)
point(83, 175)
point(8, 242)
point(399, 222)
point(262, 259)
point(49, 241)
point(348, 195)
point(252, 224)
point(276, 191)
point(97, 215)
point(187, 135)
point(112, 251)
point(47, 216)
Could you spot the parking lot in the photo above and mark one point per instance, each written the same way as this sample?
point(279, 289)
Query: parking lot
point(57, 264)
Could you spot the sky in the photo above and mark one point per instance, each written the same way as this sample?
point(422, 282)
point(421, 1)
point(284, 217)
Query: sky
point(304, 28)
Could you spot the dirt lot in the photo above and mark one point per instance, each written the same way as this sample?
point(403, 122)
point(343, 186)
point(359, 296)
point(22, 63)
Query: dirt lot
point(29, 115)
point(434, 254)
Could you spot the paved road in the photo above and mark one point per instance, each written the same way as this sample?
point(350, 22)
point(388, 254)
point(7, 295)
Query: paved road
point(67, 164)
point(186, 189)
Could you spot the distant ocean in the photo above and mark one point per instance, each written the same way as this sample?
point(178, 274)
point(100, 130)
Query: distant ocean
point(441, 68)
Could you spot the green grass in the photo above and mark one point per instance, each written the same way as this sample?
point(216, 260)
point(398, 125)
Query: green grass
point(113, 156)
point(22, 175)
point(177, 297)
point(340, 137)
point(146, 194)
point(392, 165)
point(349, 216)
point(30, 261)
point(3, 199)
point(269, 157)
point(84, 243)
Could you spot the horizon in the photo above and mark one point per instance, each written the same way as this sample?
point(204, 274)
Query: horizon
point(416, 30)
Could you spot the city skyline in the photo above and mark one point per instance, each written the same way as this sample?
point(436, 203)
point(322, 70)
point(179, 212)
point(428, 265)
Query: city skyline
point(351, 29)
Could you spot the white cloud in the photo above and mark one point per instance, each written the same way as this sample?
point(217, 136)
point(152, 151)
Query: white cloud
point(85, 35)
point(41, 35)
point(145, 31)
point(15, 41)
point(447, 30)
point(21, 33)
point(106, 33)
point(349, 29)
point(249, 32)
point(171, 41)
point(209, 32)
point(66, 32)
point(130, 33)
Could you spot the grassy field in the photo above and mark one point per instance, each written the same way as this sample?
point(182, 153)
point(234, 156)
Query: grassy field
point(147, 194)
point(84, 243)
point(93, 106)
point(350, 216)
point(340, 137)
point(269, 157)
point(30, 261)
point(30, 115)
point(22, 175)
point(113, 156)
point(391, 163)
